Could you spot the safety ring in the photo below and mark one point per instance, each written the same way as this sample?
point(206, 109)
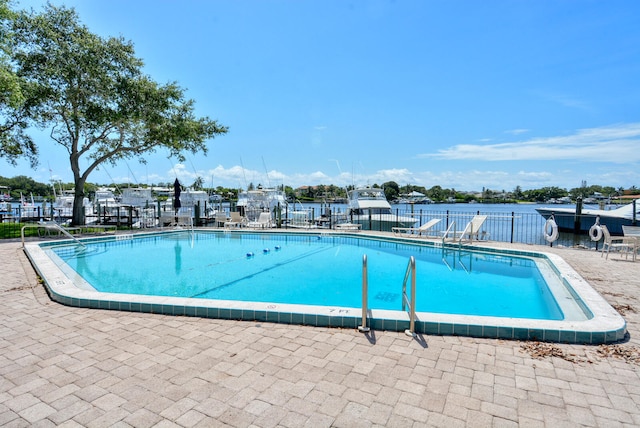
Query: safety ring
point(550, 230)
point(595, 233)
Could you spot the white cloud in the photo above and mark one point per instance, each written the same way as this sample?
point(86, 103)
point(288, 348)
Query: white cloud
point(616, 144)
point(567, 101)
point(609, 147)
point(516, 131)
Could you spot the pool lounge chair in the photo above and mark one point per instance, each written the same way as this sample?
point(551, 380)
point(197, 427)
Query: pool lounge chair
point(423, 230)
point(625, 244)
point(471, 230)
point(47, 228)
point(176, 221)
point(235, 220)
point(263, 222)
point(633, 234)
point(220, 219)
point(631, 231)
point(98, 229)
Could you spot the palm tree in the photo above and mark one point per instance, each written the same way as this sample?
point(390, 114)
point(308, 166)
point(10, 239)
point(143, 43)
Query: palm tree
point(197, 185)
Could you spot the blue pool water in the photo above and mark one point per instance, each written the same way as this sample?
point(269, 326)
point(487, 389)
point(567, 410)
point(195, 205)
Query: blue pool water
point(314, 270)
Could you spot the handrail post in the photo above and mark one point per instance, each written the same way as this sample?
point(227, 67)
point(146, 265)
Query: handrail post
point(513, 222)
point(365, 285)
point(412, 304)
point(411, 269)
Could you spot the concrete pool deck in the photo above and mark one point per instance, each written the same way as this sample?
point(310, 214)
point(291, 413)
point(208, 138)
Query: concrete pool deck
point(85, 367)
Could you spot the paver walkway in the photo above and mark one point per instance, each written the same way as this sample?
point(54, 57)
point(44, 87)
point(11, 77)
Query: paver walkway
point(64, 366)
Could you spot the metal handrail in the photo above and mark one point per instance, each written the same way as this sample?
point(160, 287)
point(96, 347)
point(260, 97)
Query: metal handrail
point(52, 225)
point(365, 293)
point(411, 270)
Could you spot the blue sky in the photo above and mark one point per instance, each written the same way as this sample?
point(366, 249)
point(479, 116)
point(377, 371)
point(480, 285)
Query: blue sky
point(461, 94)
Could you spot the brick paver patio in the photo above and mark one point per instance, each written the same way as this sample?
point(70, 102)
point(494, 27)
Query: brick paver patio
point(64, 366)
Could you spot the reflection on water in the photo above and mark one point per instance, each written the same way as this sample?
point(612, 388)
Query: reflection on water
point(177, 249)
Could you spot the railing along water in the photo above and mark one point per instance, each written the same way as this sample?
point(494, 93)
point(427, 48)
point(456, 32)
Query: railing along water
point(410, 302)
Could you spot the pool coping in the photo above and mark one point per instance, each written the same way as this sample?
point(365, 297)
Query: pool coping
point(605, 326)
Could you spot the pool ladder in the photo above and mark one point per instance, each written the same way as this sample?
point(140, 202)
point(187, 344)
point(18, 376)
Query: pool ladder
point(365, 286)
point(408, 304)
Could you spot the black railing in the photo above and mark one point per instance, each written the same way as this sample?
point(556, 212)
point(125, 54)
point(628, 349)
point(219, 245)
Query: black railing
point(511, 227)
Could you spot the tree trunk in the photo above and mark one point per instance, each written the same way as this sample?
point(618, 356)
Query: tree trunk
point(78, 197)
point(78, 218)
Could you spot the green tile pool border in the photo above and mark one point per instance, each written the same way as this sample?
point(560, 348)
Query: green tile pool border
point(605, 325)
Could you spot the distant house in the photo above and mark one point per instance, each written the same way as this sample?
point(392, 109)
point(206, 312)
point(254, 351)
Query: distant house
point(304, 191)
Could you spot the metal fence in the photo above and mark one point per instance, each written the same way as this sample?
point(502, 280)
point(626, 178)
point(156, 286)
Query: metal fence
point(511, 227)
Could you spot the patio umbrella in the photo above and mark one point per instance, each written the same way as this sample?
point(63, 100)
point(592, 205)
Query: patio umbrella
point(176, 195)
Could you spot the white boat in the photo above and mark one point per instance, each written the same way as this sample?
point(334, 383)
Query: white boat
point(5, 194)
point(417, 198)
point(614, 219)
point(214, 198)
point(252, 202)
point(63, 204)
point(109, 210)
point(189, 199)
point(104, 200)
point(21, 211)
point(369, 207)
point(29, 210)
point(137, 197)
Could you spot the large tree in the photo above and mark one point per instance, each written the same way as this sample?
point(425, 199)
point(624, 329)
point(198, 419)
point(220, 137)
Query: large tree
point(14, 106)
point(95, 98)
point(391, 190)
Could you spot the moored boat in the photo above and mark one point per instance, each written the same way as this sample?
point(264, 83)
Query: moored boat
point(137, 197)
point(369, 207)
point(63, 205)
point(568, 221)
point(108, 209)
point(252, 202)
point(190, 199)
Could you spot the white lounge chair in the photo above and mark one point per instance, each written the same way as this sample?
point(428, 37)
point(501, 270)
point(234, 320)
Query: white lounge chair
point(471, 230)
point(220, 218)
point(263, 222)
point(235, 220)
point(50, 227)
point(633, 232)
point(626, 244)
point(416, 231)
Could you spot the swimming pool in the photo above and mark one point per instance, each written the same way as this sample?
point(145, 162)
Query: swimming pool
point(316, 279)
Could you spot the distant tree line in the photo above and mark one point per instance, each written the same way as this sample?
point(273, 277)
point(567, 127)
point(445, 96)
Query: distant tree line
point(27, 186)
point(437, 193)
